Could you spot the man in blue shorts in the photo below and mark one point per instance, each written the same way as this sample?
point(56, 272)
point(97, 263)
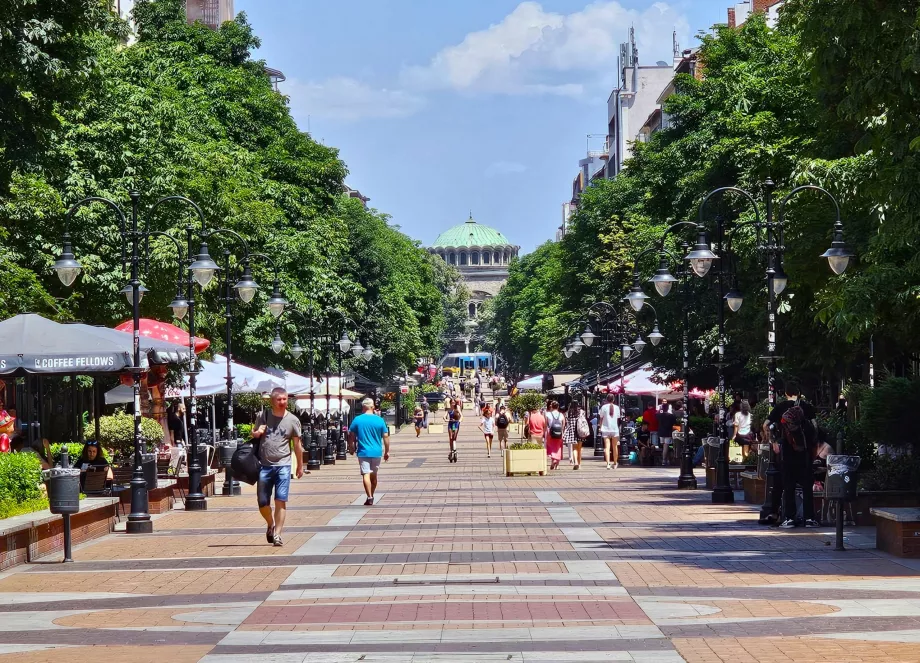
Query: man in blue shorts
point(277, 431)
point(369, 437)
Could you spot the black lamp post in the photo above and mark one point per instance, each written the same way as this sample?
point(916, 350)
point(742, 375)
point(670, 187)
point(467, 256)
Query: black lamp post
point(310, 333)
point(699, 260)
point(772, 248)
point(68, 269)
point(245, 289)
point(617, 327)
point(342, 346)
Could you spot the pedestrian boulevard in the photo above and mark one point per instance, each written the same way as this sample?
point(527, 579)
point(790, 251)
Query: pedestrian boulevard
point(456, 562)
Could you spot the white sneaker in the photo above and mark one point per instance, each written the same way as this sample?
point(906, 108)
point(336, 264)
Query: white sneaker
point(609, 466)
point(616, 465)
point(789, 523)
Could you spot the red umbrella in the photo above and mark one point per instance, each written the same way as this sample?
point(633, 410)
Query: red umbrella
point(165, 331)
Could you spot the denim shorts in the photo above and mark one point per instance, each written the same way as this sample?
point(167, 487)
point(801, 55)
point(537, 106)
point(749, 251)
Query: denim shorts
point(277, 477)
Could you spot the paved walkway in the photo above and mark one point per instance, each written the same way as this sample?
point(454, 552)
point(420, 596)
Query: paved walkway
point(456, 562)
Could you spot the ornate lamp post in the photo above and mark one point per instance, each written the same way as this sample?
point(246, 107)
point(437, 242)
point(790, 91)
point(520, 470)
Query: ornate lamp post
point(68, 269)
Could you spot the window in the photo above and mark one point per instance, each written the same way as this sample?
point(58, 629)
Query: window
point(474, 258)
point(463, 258)
point(472, 310)
point(452, 258)
point(486, 258)
point(498, 258)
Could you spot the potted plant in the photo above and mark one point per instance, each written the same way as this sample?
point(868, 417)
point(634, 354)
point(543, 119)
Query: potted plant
point(525, 458)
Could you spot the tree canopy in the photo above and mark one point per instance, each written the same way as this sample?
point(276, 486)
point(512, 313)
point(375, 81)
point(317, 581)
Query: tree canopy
point(187, 110)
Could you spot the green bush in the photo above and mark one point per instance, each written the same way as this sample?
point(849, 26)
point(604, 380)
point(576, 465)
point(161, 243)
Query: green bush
point(116, 432)
point(20, 478)
point(522, 446)
point(74, 449)
point(886, 413)
point(244, 431)
point(701, 426)
point(524, 403)
point(9, 509)
point(891, 473)
point(759, 414)
point(251, 404)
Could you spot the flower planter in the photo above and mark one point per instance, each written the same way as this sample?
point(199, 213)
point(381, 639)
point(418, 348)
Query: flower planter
point(754, 488)
point(880, 499)
point(525, 461)
point(435, 429)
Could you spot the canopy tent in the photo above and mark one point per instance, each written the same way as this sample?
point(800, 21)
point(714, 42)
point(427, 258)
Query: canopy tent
point(299, 384)
point(163, 331)
point(640, 382)
point(531, 384)
point(247, 379)
point(319, 404)
point(30, 343)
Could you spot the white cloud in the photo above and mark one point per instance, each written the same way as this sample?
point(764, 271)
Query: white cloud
point(504, 168)
point(532, 51)
point(349, 100)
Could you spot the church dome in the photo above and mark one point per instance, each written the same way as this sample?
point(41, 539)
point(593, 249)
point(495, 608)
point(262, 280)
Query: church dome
point(470, 233)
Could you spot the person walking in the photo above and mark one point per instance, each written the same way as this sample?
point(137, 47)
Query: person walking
point(609, 418)
point(577, 431)
point(535, 425)
point(487, 426)
point(426, 410)
point(666, 423)
point(453, 417)
point(419, 417)
point(277, 431)
point(555, 430)
point(501, 425)
point(369, 438)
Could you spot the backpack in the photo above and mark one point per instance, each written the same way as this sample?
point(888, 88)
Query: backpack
point(793, 427)
point(582, 430)
point(502, 420)
point(555, 428)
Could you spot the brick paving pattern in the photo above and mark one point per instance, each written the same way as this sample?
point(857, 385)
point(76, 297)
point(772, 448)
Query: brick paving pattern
point(456, 562)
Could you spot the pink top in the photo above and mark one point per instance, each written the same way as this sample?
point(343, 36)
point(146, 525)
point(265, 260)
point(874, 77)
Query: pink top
point(537, 424)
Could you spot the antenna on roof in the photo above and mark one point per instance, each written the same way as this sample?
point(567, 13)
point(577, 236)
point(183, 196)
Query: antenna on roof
point(676, 45)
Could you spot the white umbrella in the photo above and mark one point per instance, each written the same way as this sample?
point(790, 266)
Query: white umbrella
point(248, 380)
point(319, 404)
point(531, 384)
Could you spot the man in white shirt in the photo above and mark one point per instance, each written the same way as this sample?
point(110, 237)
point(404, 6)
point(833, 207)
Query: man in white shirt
point(609, 420)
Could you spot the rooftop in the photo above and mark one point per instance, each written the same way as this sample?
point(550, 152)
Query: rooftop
point(471, 233)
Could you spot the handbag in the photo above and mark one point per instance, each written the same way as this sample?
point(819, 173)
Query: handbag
point(245, 462)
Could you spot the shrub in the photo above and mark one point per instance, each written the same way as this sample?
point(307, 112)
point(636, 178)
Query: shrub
point(74, 450)
point(251, 404)
point(116, 432)
point(886, 413)
point(889, 473)
point(523, 446)
point(244, 431)
point(759, 414)
point(701, 426)
point(20, 477)
point(523, 403)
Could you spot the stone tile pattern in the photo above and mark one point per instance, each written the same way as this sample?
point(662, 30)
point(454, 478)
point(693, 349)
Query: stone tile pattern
point(458, 562)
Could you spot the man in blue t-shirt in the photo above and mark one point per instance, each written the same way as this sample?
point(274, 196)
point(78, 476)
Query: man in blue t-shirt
point(369, 437)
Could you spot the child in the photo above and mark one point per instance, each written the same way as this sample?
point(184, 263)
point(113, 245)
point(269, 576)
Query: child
point(487, 426)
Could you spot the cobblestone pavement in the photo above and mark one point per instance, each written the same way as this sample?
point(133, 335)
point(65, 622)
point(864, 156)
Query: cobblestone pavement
point(456, 562)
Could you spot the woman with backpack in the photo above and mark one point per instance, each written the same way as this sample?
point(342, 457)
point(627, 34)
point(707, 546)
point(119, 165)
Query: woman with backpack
point(501, 424)
point(576, 432)
point(555, 429)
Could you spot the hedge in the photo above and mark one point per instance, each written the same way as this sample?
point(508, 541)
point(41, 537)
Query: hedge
point(20, 484)
point(117, 432)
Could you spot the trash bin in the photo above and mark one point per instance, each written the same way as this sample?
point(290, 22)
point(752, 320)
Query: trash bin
point(712, 447)
point(63, 484)
point(226, 450)
point(841, 477)
point(149, 464)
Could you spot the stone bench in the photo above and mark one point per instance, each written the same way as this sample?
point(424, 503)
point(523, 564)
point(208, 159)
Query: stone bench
point(897, 530)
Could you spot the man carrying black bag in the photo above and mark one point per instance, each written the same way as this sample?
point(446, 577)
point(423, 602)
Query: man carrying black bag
point(277, 431)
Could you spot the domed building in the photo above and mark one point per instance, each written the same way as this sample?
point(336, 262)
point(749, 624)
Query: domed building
point(481, 254)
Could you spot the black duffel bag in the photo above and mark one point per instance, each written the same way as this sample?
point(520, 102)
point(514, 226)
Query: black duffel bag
point(245, 462)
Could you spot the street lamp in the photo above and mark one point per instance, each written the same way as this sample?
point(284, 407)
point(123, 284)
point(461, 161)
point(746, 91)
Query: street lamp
point(773, 248)
point(588, 336)
point(68, 269)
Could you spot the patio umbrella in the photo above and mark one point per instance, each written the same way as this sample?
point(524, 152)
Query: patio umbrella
point(164, 332)
point(30, 343)
point(247, 379)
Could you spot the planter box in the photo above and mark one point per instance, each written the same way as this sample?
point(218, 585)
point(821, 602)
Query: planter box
point(30, 536)
point(735, 472)
point(754, 488)
point(514, 429)
point(525, 461)
point(880, 499)
point(897, 531)
point(436, 429)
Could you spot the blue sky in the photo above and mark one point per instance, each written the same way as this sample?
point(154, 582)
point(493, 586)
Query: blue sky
point(440, 107)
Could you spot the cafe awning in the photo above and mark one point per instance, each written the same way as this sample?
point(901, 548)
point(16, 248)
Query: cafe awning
point(30, 343)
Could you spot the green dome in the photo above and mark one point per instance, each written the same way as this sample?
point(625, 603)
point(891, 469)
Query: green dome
point(470, 233)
